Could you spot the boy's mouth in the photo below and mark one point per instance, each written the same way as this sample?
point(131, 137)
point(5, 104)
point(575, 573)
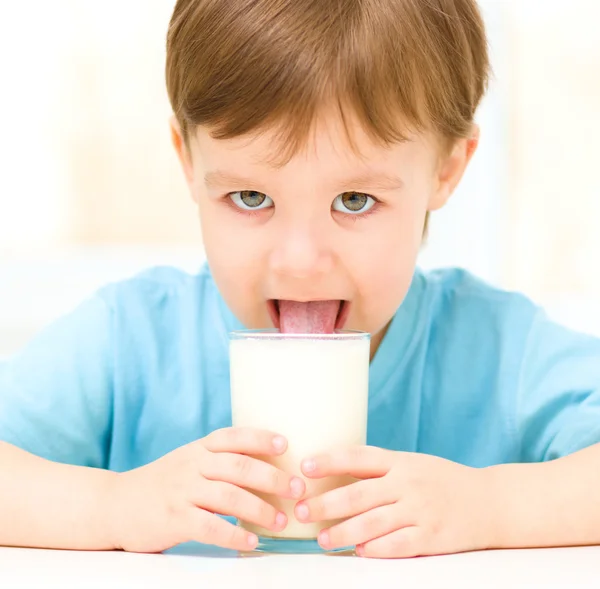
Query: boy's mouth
point(308, 316)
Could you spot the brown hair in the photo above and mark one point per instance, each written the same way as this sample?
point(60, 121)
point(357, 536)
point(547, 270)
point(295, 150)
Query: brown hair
point(239, 66)
point(243, 65)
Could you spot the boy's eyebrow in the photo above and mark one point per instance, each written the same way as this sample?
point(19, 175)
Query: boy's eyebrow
point(364, 181)
point(222, 178)
point(380, 180)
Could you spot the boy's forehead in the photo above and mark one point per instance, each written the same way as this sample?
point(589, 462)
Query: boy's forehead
point(324, 146)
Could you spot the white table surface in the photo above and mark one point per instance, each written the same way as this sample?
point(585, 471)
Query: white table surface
point(202, 567)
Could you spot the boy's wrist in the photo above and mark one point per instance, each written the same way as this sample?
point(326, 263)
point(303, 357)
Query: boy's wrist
point(511, 489)
point(494, 507)
point(113, 509)
point(491, 516)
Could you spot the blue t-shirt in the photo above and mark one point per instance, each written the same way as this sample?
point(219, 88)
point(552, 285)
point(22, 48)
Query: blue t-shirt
point(465, 371)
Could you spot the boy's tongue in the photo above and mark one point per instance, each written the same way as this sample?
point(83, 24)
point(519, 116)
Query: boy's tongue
point(311, 317)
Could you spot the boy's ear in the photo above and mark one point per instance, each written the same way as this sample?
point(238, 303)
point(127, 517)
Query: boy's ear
point(452, 168)
point(183, 153)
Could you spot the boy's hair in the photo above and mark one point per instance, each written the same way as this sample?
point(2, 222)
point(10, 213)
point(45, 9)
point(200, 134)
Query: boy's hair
point(400, 66)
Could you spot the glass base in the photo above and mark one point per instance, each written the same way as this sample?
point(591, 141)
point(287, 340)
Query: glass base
point(267, 545)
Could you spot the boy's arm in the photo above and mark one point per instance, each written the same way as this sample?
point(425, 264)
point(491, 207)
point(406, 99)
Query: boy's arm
point(410, 504)
point(554, 503)
point(553, 497)
point(56, 394)
point(55, 410)
point(44, 504)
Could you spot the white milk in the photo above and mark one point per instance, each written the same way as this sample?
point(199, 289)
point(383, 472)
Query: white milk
point(311, 389)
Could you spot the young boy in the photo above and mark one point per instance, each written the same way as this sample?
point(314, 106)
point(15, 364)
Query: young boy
point(315, 137)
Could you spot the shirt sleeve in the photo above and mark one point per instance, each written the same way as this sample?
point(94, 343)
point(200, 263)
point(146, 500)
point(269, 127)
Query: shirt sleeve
point(559, 392)
point(55, 394)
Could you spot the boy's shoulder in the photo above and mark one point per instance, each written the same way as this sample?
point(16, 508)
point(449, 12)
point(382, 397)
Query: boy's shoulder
point(167, 300)
point(455, 302)
point(457, 287)
point(157, 286)
point(164, 312)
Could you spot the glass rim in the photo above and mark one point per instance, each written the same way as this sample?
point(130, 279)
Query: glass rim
point(275, 334)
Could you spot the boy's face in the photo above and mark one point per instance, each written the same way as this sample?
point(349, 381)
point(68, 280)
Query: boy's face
point(329, 225)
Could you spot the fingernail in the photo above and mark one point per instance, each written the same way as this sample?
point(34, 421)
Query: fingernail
point(302, 512)
point(281, 521)
point(279, 443)
point(324, 539)
point(360, 550)
point(297, 487)
point(252, 540)
point(309, 465)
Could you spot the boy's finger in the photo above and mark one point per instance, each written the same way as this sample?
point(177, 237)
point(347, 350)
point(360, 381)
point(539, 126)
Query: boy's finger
point(251, 473)
point(403, 543)
point(362, 462)
point(364, 527)
point(228, 499)
point(242, 440)
point(208, 528)
point(345, 502)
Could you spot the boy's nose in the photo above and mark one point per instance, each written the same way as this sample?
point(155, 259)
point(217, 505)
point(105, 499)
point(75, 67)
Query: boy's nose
point(301, 254)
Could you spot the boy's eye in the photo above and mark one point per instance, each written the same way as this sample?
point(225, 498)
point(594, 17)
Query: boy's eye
point(251, 200)
point(353, 203)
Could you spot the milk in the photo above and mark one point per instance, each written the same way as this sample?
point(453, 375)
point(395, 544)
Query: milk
point(312, 389)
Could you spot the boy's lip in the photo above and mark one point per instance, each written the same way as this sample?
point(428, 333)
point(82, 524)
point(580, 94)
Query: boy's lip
point(342, 317)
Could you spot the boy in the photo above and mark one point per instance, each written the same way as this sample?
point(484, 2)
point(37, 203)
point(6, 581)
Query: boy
point(315, 137)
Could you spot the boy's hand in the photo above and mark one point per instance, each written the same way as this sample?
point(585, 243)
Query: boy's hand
point(175, 498)
point(406, 505)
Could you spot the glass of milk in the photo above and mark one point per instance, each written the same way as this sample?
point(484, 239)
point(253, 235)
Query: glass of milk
point(312, 389)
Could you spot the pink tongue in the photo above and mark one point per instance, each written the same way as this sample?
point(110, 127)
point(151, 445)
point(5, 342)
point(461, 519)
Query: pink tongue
point(312, 317)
